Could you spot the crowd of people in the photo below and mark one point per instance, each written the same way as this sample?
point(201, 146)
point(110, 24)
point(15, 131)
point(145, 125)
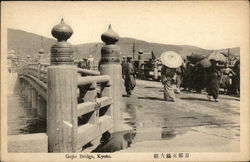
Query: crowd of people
point(88, 63)
point(212, 79)
point(197, 78)
point(191, 76)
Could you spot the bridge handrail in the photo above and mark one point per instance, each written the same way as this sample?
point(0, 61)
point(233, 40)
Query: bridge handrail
point(88, 72)
point(40, 86)
point(40, 70)
point(90, 79)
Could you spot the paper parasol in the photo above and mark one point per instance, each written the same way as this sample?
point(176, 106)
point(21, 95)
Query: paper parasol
point(171, 59)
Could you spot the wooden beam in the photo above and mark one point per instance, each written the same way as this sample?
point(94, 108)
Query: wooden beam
point(89, 106)
point(89, 132)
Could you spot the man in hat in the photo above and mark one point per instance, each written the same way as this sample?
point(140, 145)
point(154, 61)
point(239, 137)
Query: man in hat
point(82, 63)
point(129, 76)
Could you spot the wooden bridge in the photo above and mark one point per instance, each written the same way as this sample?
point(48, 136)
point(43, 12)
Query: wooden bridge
point(78, 104)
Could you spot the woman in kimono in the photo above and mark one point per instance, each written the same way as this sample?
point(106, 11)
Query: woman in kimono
point(167, 78)
point(170, 61)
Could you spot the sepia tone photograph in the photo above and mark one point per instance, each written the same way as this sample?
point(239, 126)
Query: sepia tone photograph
point(102, 80)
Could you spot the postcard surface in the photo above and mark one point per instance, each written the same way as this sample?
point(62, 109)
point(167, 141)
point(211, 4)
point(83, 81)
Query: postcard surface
point(125, 81)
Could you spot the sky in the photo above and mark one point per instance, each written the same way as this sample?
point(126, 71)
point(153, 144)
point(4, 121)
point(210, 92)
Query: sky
point(209, 25)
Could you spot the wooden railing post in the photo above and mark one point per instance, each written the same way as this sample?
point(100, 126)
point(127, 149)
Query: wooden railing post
point(91, 95)
point(110, 65)
point(62, 93)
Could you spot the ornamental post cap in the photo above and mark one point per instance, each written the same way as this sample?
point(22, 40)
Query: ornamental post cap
point(11, 52)
point(110, 36)
point(140, 51)
point(41, 51)
point(62, 31)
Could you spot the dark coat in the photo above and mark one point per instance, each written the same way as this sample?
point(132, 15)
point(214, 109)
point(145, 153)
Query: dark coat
point(213, 81)
point(129, 77)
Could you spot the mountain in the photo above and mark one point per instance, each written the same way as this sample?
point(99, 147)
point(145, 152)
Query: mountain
point(25, 43)
point(126, 45)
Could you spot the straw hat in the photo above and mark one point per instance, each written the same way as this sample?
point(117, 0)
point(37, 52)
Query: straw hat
point(171, 59)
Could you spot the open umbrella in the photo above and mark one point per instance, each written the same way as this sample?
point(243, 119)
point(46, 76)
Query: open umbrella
point(205, 63)
point(194, 58)
point(217, 57)
point(171, 59)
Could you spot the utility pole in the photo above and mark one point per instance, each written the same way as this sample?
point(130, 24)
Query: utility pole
point(133, 51)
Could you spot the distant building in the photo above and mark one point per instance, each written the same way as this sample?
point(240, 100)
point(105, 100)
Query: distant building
point(12, 61)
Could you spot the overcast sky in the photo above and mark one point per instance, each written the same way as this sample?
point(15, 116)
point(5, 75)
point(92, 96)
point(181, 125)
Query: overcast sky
point(209, 25)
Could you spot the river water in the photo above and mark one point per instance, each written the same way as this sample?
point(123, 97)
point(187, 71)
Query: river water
point(22, 119)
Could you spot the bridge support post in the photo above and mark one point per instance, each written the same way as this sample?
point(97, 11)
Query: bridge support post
point(110, 65)
point(24, 89)
point(62, 93)
point(41, 107)
point(34, 99)
point(29, 94)
point(21, 90)
point(27, 91)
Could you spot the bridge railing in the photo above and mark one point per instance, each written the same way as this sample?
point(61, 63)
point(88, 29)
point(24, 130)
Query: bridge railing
point(85, 72)
point(94, 109)
point(94, 103)
point(81, 104)
point(39, 70)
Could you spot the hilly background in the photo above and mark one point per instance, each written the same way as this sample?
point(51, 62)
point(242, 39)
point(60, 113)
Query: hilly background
point(25, 43)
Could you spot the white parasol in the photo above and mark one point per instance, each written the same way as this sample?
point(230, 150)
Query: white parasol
point(171, 59)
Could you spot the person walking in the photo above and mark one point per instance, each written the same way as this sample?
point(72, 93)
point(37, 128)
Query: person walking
point(226, 78)
point(213, 81)
point(170, 61)
point(129, 76)
point(179, 77)
point(123, 63)
point(236, 79)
